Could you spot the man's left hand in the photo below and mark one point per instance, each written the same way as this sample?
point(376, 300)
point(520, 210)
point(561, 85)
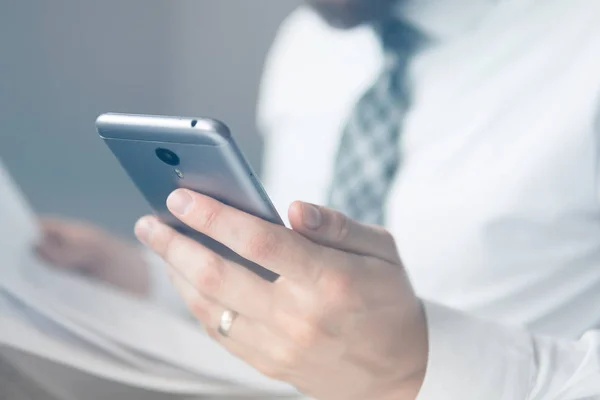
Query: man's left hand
point(341, 322)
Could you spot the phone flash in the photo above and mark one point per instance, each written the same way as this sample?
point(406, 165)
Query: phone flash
point(178, 173)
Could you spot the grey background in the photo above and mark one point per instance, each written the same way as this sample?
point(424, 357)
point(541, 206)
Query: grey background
point(63, 62)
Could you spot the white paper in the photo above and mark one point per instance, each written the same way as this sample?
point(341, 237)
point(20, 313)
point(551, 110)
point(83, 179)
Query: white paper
point(18, 230)
point(53, 325)
point(68, 320)
point(139, 326)
point(23, 337)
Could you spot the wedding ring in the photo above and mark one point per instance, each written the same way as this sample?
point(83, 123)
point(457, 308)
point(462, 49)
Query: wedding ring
point(227, 319)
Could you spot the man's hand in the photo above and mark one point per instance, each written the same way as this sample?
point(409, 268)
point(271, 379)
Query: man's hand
point(89, 250)
point(342, 321)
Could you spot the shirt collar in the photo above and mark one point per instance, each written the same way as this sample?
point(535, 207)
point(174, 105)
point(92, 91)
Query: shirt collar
point(444, 19)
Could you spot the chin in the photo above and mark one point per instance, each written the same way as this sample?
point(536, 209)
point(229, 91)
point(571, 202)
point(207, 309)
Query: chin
point(346, 14)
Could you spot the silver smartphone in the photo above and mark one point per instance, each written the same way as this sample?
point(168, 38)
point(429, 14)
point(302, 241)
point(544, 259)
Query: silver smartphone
point(161, 154)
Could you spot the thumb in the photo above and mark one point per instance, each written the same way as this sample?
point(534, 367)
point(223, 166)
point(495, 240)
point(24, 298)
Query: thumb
point(333, 229)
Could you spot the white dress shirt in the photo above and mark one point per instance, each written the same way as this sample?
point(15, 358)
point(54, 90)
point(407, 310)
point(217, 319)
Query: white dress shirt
point(496, 208)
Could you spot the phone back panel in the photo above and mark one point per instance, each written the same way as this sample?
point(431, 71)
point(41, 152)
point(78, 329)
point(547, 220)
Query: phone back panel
point(209, 163)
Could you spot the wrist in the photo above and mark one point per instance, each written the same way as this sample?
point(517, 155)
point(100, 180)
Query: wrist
point(407, 386)
point(408, 389)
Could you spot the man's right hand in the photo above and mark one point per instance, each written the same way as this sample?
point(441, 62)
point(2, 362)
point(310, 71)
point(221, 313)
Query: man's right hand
point(87, 249)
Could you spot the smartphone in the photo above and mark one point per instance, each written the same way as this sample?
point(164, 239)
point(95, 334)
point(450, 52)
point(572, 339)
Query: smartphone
point(161, 154)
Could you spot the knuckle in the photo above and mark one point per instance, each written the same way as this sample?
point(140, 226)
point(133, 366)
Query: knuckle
point(208, 216)
point(303, 332)
point(209, 276)
point(282, 320)
point(342, 225)
point(382, 233)
point(306, 335)
point(387, 237)
point(263, 245)
point(338, 287)
point(285, 357)
point(173, 247)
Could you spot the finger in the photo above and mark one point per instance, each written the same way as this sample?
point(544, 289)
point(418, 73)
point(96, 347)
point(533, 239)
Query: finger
point(197, 304)
point(245, 341)
point(55, 249)
point(62, 243)
point(206, 310)
point(213, 276)
point(65, 257)
point(53, 235)
point(269, 245)
point(334, 229)
point(272, 352)
point(245, 333)
point(56, 257)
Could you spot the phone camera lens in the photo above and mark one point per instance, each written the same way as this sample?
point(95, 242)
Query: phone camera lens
point(167, 156)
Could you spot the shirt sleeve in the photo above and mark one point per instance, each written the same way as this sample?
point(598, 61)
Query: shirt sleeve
point(473, 359)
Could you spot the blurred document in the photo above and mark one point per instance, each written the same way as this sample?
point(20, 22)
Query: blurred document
point(73, 322)
point(18, 230)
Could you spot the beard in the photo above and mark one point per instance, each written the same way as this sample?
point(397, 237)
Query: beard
point(347, 14)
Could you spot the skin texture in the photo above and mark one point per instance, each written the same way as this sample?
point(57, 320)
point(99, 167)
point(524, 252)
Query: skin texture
point(342, 322)
point(86, 249)
point(346, 14)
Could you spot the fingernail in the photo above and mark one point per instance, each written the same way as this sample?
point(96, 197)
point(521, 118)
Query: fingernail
point(311, 216)
point(143, 230)
point(179, 202)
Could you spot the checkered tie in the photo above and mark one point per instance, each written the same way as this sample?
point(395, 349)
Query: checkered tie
point(368, 156)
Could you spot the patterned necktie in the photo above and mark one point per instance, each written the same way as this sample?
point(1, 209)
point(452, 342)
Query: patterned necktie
point(368, 156)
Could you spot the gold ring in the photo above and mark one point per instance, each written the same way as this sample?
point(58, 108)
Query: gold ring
point(227, 319)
